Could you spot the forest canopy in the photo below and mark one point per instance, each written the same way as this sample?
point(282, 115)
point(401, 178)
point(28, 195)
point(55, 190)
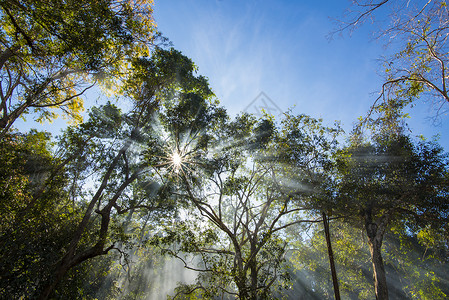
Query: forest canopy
point(159, 193)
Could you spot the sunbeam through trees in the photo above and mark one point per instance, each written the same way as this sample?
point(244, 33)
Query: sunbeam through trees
point(160, 191)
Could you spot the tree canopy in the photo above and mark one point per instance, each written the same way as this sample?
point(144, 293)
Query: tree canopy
point(160, 179)
point(51, 52)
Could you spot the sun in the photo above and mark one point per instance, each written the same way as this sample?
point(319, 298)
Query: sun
point(176, 161)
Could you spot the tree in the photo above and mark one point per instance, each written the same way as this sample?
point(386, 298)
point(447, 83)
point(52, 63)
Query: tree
point(51, 52)
point(351, 255)
point(251, 185)
point(109, 158)
point(414, 269)
point(35, 222)
point(387, 180)
point(418, 31)
point(310, 146)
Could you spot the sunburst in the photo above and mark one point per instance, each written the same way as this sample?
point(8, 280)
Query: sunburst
point(177, 161)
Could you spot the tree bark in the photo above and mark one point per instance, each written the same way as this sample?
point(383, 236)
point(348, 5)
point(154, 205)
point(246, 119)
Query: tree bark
point(375, 232)
point(240, 281)
point(380, 279)
point(253, 270)
point(331, 257)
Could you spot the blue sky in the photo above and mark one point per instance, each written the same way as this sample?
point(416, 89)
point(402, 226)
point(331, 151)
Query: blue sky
point(282, 48)
point(279, 48)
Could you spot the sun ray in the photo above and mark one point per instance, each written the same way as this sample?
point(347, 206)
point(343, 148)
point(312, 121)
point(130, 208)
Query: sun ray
point(176, 161)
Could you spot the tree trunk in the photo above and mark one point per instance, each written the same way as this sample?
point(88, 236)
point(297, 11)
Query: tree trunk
point(380, 279)
point(48, 289)
point(70, 258)
point(239, 273)
point(331, 257)
point(242, 288)
point(375, 232)
point(68, 262)
point(253, 270)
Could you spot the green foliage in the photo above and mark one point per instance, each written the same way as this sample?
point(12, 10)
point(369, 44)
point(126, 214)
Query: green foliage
point(352, 261)
point(393, 174)
point(113, 162)
point(412, 271)
point(418, 69)
point(36, 223)
point(241, 193)
point(419, 269)
point(50, 49)
point(249, 187)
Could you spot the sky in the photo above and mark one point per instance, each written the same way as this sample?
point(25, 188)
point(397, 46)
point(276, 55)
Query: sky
point(278, 55)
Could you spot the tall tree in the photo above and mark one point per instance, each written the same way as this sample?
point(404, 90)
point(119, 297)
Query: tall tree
point(254, 183)
point(418, 30)
point(386, 180)
point(312, 152)
point(51, 52)
point(109, 158)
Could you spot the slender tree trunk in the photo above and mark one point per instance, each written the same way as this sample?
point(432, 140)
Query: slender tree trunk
point(71, 258)
point(375, 232)
point(331, 257)
point(242, 287)
point(380, 279)
point(253, 269)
